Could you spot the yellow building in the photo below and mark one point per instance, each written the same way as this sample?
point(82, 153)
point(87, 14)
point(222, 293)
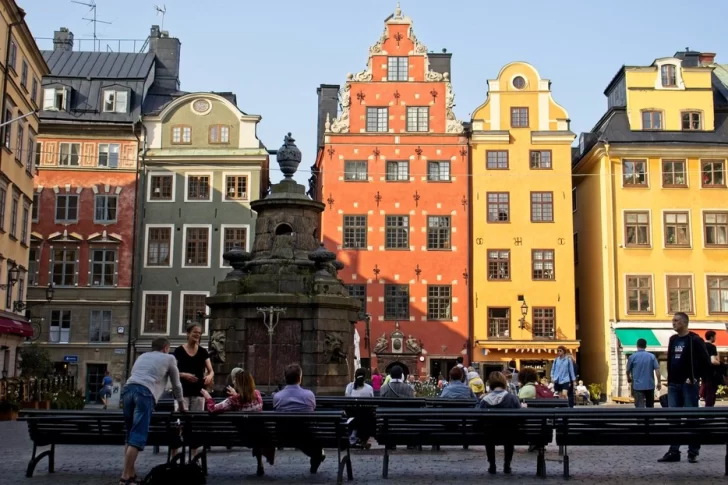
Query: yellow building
point(23, 67)
point(651, 213)
point(523, 258)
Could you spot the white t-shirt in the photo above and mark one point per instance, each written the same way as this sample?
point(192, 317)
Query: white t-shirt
point(365, 391)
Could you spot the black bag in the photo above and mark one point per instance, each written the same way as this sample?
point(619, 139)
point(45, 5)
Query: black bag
point(173, 474)
point(663, 400)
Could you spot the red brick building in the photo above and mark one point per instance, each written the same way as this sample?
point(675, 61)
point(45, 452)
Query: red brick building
point(392, 168)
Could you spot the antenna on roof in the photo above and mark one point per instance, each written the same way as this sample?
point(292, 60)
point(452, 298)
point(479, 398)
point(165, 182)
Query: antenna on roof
point(161, 11)
point(94, 20)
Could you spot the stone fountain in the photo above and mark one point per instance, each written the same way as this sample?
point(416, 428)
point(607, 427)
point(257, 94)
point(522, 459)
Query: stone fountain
point(282, 302)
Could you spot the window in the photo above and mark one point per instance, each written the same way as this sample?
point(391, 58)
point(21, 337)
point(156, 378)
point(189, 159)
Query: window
point(105, 208)
point(573, 200)
point(25, 221)
point(496, 160)
point(3, 201)
point(438, 171)
point(38, 153)
point(219, 134)
point(355, 171)
point(499, 322)
point(360, 293)
point(181, 135)
point(543, 267)
point(377, 119)
point(66, 208)
point(103, 267)
point(197, 242)
point(64, 267)
point(13, 54)
point(439, 302)
point(651, 120)
point(418, 118)
point(677, 229)
point(499, 206)
point(8, 129)
point(398, 171)
point(14, 215)
point(60, 326)
point(397, 68)
point(161, 187)
point(159, 245)
point(718, 294)
point(192, 305)
point(639, 294)
point(69, 154)
point(24, 74)
point(713, 173)
point(542, 207)
point(115, 101)
point(198, 187)
point(634, 173)
point(20, 141)
point(544, 322)
point(21, 289)
point(396, 302)
point(519, 117)
point(438, 232)
point(355, 232)
point(33, 257)
point(109, 155)
point(100, 328)
point(499, 264)
point(668, 75)
point(637, 229)
point(674, 174)
point(680, 294)
point(234, 236)
point(236, 187)
point(30, 153)
point(540, 159)
point(691, 120)
point(55, 99)
point(396, 232)
point(576, 248)
point(716, 228)
point(156, 313)
point(519, 82)
point(34, 91)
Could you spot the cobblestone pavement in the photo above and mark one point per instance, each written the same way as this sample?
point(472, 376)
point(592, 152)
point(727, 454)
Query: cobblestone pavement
point(101, 465)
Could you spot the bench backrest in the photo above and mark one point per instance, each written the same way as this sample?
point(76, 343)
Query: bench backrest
point(438, 402)
point(547, 403)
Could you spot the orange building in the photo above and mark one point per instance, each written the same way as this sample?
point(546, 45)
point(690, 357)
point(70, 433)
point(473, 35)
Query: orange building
point(392, 168)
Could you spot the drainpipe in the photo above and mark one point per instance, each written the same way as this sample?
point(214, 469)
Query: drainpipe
point(5, 78)
point(471, 295)
point(140, 187)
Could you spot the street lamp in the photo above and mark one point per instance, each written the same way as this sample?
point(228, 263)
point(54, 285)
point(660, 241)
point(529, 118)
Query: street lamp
point(524, 312)
point(13, 274)
point(20, 306)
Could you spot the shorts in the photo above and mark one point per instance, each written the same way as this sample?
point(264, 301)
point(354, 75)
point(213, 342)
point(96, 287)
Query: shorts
point(138, 406)
point(193, 404)
point(562, 387)
point(106, 391)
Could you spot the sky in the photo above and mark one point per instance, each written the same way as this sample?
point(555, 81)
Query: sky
point(274, 54)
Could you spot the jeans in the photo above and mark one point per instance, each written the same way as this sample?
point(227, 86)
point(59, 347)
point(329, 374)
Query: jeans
point(683, 396)
point(644, 399)
point(138, 406)
point(709, 391)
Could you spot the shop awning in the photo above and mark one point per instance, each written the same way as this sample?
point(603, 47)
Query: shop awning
point(15, 327)
point(658, 334)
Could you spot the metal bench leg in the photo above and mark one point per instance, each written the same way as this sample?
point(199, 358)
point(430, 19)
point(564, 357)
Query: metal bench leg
point(385, 463)
point(561, 450)
point(52, 459)
point(541, 460)
point(726, 459)
point(35, 459)
point(566, 464)
point(156, 450)
point(349, 471)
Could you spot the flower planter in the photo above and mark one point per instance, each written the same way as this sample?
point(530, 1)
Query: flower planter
point(8, 415)
point(44, 405)
point(29, 405)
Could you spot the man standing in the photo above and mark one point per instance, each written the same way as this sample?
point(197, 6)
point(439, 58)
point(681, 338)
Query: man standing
point(715, 377)
point(687, 361)
point(563, 375)
point(641, 369)
point(293, 398)
point(146, 384)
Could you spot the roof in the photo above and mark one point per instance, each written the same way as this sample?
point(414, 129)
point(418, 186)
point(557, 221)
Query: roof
point(720, 83)
point(99, 65)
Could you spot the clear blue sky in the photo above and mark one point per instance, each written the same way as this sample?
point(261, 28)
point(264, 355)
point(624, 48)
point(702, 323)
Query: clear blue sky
point(274, 53)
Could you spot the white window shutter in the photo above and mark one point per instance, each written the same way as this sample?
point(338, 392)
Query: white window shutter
point(121, 101)
point(49, 99)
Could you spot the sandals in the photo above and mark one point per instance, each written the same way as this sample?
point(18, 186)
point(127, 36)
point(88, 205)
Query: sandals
point(130, 481)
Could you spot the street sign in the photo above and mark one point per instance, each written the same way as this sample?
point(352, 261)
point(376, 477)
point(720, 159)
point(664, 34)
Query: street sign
point(70, 358)
point(120, 351)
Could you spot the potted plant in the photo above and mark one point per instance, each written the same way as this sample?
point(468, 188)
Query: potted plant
point(595, 392)
point(45, 400)
point(10, 406)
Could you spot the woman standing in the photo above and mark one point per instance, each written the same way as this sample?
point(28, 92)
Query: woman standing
point(376, 381)
point(499, 398)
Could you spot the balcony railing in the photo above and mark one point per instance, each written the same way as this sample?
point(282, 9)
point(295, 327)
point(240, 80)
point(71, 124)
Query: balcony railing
point(99, 45)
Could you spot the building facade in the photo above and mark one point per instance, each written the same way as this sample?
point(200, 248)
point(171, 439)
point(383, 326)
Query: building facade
point(85, 201)
point(202, 167)
point(392, 168)
point(23, 67)
point(523, 272)
point(651, 213)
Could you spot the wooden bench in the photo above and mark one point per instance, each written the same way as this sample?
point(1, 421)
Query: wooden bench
point(329, 429)
point(465, 426)
point(51, 428)
point(640, 427)
point(546, 403)
point(623, 400)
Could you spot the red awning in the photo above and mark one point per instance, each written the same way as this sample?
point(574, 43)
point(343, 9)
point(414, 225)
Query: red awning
point(721, 336)
point(15, 327)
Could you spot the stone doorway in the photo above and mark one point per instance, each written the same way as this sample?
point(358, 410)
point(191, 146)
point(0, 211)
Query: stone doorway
point(286, 350)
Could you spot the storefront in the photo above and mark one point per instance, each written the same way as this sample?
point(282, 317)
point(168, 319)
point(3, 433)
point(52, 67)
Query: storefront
point(13, 333)
point(657, 335)
point(496, 354)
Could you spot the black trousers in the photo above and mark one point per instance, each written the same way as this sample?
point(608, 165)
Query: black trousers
point(644, 399)
point(490, 451)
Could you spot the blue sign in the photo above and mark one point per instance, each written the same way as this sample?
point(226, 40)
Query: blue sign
point(70, 358)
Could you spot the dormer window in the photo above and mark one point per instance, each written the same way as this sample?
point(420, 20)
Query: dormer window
point(219, 134)
point(651, 120)
point(55, 99)
point(115, 101)
point(668, 75)
point(181, 135)
point(397, 68)
point(691, 120)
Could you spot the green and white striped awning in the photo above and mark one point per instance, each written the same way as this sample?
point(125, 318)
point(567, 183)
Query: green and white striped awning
point(657, 334)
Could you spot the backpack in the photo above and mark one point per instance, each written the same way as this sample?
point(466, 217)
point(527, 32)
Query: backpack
point(174, 473)
point(543, 392)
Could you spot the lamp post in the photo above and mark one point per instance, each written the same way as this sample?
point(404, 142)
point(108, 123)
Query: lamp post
point(13, 274)
point(20, 306)
point(524, 312)
point(273, 315)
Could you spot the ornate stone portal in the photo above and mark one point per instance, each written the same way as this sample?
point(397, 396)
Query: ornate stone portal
point(288, 268)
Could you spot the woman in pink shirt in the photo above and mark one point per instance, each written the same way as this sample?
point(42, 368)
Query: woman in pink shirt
point(376, 381)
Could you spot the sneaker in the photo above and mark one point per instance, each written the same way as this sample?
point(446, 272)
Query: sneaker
point(670, 457)
point(316, 462)
point(692, 458)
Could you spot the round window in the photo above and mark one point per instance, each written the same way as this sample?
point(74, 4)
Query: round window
point(201, 106)
point(519, 82)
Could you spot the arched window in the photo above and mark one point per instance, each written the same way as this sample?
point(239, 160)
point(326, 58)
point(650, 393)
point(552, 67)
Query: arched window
point(283, 230)
point(669, 77)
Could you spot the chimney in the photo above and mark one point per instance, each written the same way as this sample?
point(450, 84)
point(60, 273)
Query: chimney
point(440, 62)
point(706, 58)
point(167, 52)
point(63, 40)
point(328, 104)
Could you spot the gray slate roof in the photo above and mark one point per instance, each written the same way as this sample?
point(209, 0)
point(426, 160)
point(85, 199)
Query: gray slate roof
point(99, 65)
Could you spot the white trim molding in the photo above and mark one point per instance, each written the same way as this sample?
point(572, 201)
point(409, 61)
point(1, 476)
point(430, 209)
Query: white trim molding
point(187, 181)
point(222, 240)
point(146, 244)
point(144, 310)
point(223, 188)
point(149, 186)
point(182, 324)
point(183, 263)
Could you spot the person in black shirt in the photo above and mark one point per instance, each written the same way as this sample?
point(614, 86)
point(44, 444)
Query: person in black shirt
point(715, 378)
point(687, 362)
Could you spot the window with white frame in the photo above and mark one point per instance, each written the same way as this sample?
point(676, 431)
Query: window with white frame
point(20, 141)
point(418, 118)
point(105, 208)
point(24, 230)
point(156, 312)
point(100, 326)
point(234, 236)
point(69, 154)
point(161, 187)
point(14, 214)
point(60, 326)
point(30, 153)
point(55, 99)
point(159, 246)
point(236, 187)
point(181, 135)
point(109, 155)
point(192, 305)
point(198, 187)
point(115, 101)
point(197, 246)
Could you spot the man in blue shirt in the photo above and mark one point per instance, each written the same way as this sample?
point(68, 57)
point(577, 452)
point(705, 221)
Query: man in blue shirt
point(563, 375)
point(457, 388)
point(641, 369)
